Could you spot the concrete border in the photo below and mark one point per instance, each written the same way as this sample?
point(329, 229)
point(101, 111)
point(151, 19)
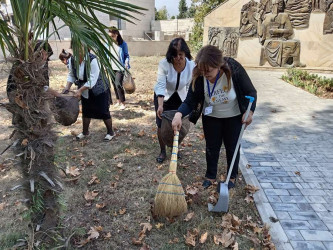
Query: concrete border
point(265, 209)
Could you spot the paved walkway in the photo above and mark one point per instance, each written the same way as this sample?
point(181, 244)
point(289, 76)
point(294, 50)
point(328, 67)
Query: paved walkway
point(290, 149)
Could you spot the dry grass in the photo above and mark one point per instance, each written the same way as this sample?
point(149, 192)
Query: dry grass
point(127, 179)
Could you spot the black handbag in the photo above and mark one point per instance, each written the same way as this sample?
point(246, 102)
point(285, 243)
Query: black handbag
point(174, 100)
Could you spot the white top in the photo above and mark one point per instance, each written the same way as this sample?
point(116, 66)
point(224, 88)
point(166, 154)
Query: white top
point(94, 73)
point(167, 79)
point(114, 48)
point(224, 102)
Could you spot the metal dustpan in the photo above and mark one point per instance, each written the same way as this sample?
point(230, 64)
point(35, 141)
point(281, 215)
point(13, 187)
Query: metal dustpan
point(222, 204)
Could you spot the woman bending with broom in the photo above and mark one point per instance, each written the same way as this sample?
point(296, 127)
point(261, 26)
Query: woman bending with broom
point(219, 87)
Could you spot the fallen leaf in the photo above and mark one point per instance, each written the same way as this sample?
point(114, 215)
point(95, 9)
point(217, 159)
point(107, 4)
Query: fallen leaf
point(107, 236)
point(19, 101)
point(248, 166)
point(190, 239)
point(120, 165)
point(25, 142)
point(93, 233)
point(2, 205)
point(192, 190)
point(73, 171)
point(257, 230)
point(113, 184)
point(226, 238)
point(145, 247)
point(175, 240)
point(298, 173)
point(235, 246)
point(117, 177)
point(90, 196)
point(136, 242)
point(141, 133)
point(122, 211)
point(251, 189)
point(159, 225)
point(146, 227)
point(94, 180)
point(189, 216)
point(249, 198)
point(100, 205)
point(203, 238)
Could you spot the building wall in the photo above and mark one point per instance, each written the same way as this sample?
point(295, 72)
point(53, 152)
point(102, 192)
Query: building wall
point(316, 48)
point(175, 25)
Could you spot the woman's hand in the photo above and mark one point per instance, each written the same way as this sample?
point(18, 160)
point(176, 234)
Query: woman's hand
point(248, 120)
point(159, 111)
point(177, 122)
point(78, 93)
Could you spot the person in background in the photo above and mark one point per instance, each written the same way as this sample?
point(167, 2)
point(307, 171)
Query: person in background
point(173, 78)
point(94, 93)
point(219, 85)
point(64, 57)
point(119, 51)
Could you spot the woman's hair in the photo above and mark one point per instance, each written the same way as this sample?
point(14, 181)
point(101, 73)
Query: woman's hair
point(210, 56)
point(177, 44)
point(64, 55)
point(114, 30)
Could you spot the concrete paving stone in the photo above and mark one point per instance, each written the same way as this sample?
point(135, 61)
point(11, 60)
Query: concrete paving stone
point(257, 168)
point(318, 235)
point(294, 235)
point(278, 169)
point(293, 199)
point(329, 225)
point(318, 207)
point(269, 164)
point(328, 245)
point(289, 207)
point(307, 245)
point(294, 224)
point(318, 225)
point(304, 207)
point(314, 185)
point(276, 173)
point(328, 206)
point(309, 191)
point(325, 216)
point(266, 185)
point(307, 174)
point(303, 169)
point(276, 192)
point(316, 179)
point(259, 173)
point(299, 185)
point(284, 185)
point(329, 180)
point(282, 215)
point(327, 164)
point(305, 186)
point(273, 198)
point(304, 215)
point(294, 191)
point(269, 179)
point(315, 199)
point(286, 179)
point(296, 179)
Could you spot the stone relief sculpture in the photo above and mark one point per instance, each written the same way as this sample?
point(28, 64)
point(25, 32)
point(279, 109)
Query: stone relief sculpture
point(299, 12)
point(328, 21)
point(318, 5)
point(249, 19)
point(225, 38)
point(275, 33)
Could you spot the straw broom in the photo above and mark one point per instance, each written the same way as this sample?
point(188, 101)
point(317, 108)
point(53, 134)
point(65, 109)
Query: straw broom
point(170, 198)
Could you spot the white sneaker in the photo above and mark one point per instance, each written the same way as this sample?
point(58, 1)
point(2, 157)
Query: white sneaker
point(80, 136)
point(116, 105)
point(109, 137)
point(122, 106)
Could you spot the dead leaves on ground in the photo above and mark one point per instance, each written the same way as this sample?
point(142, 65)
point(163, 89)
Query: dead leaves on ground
point(250, 190)
point(146, 227)
point(92, 235)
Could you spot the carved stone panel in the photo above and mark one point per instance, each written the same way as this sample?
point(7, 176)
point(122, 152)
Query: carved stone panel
point(249, 19)
point(299, 12)
point(318, 5)
point(225, 38)
point(328, 21)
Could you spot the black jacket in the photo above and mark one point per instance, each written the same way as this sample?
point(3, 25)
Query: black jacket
point(242, 84)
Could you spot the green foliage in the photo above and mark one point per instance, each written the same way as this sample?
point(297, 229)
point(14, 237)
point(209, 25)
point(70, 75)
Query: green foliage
point(310, 82)
point(182, 7)
point(161, 14)
point(203, 7)
point(8, 240)
point(173, 17)
point(191, 11)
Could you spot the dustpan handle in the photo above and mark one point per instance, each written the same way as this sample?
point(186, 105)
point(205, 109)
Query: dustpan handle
point(251, 100)
point(173, 161)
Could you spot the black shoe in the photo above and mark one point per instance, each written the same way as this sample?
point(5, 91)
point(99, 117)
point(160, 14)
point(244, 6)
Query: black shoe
point(230, 185)
point(161, 158)
point(206, 184)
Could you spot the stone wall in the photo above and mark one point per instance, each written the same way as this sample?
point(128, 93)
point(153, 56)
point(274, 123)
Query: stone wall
point(316, 48)
point(180, 25)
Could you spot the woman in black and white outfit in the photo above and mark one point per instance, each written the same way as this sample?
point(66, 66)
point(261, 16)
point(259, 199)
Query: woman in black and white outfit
point(94, 94)
point(173, 78)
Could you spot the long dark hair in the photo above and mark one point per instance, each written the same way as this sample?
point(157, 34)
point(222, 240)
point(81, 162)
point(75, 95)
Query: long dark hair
point(114, 30)
point(177, 44)
point(210, 56)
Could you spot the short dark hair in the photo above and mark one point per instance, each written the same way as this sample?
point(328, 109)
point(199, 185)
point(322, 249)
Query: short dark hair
point(64, 55)
point(175, 45)
point(114, 30)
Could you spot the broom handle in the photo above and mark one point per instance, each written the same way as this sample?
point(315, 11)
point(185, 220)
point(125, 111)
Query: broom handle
point(251, 99)
point(173, 162)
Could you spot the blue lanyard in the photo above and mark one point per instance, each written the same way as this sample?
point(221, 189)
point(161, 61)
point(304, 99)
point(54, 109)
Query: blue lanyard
point(211, 93)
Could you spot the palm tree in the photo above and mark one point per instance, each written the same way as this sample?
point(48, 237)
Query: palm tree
point(20, 43)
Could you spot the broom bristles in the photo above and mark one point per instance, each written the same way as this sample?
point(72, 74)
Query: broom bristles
point(170, 198)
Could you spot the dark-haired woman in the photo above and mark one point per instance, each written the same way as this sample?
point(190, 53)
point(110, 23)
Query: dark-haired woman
point(64, 57)
point(119, 50)
point(173, 78)
point(220, 85)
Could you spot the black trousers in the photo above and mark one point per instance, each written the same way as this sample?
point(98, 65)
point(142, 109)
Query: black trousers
point(117, 83)
point(218, 130)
